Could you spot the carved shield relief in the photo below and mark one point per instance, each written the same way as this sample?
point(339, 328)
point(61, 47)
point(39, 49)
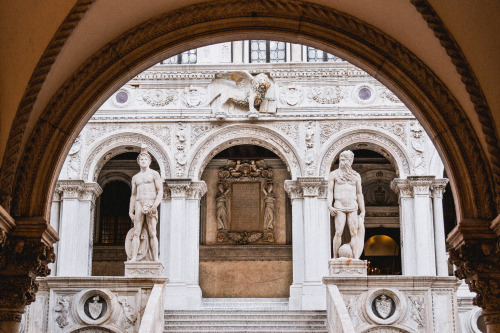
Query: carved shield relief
point(384, 306)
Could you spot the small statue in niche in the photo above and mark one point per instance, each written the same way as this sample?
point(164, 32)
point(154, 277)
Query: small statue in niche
point(147, 192)
point(344, 185)
point(221, 207)
point(269, 206)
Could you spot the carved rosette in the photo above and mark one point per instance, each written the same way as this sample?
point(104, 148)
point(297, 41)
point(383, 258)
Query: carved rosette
point(310, 185)
point(478, 263)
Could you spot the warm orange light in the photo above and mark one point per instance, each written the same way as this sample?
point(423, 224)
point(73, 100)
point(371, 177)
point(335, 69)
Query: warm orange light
point(381, 245)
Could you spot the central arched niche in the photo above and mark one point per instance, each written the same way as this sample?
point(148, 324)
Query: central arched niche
point(245, 268)
point(382, 226)
point(112, 221)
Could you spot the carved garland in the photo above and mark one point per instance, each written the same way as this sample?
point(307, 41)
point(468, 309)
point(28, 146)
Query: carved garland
point(234, 136)
point(347, 139)
point(67, 97)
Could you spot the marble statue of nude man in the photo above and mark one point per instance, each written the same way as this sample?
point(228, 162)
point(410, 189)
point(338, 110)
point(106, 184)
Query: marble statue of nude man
point(344, 191)
point(147, 192)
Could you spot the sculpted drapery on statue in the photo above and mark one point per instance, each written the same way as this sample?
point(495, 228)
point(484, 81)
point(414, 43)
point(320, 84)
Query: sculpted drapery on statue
point(147, 192)
point(345, 200)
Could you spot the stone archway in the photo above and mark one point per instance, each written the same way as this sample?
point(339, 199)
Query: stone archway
point(239, 135)
point(117, 143)
point(29, 175)
point(396, 153)
point(319, 26)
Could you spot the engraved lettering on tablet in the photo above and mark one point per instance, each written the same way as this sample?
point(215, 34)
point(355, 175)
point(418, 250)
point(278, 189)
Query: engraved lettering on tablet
point(245, 206)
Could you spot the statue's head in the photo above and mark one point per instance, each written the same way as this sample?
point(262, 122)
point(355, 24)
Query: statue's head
point(144, 159)
point(346, 158)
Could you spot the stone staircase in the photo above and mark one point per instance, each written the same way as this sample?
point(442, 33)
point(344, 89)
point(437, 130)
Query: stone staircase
point(263, 315)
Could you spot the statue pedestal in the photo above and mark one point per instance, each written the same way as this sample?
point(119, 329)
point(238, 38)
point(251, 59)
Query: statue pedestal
point(144, 269)
point(347, 267)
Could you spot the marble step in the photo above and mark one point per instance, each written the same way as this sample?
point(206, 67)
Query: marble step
point(245, 303)
point(242, 320)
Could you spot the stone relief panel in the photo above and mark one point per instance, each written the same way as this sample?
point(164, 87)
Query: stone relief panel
point(159, 97)
point(245, 202)
point(194, 96)
point(291, 95)
point(289, 129)
point(181, 145)
point(200, 130)
point(74, 159)
point(325, 95)
point(233, 136)
point(388, 96)
point(417, 146)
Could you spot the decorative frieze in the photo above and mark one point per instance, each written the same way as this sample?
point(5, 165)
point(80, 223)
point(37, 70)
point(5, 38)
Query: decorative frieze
point(159, 97)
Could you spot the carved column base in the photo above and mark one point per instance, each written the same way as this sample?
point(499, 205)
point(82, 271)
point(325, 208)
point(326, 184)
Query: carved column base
point(147, 269)
point(347, 267)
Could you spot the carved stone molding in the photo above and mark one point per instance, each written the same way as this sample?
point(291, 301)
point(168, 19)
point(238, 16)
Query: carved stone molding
point(438, 187)
point(390, 149)
point(245, 253)
point(473, 88)
point(240, 135)
point(40, 73)
point(310, 185)
point(178, 187)
point(294, 190)
point(116, 144)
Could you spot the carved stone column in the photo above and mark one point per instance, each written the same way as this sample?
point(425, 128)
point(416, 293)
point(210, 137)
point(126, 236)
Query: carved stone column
point(181, 257)
point(408, 249)
point(24, 255)
point(476, 254)
point(76, 227)
point(55, 219)
point(196, 190)
point(424, 227)
point(316, 244)
point(294, 191)
point(437, 190)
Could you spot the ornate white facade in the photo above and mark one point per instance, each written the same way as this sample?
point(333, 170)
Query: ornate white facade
point(320, 109)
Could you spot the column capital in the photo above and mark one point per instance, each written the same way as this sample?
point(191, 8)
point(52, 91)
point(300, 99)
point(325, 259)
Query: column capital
point(293, 189)
point(402, 188)
point(438, 187)
point(77, 189)
point(178, 187)
point(310, 185)
point(421, 184)
point(196, 190)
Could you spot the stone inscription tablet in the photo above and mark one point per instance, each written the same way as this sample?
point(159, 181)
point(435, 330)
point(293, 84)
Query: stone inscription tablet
point(245, 206)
